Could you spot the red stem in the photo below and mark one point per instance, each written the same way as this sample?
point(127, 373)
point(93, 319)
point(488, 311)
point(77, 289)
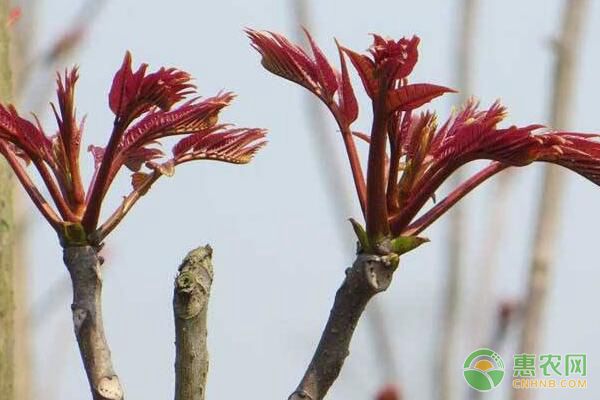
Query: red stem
point(111, 223)
point(54, 190)
point(357, 173)
point(78, 191)
point(463, 189)
point(377, 215)
point(353, 158)
point(100, 185)
point(393, 190)
point(71, 150)
point(30, 188)
point(432, 179)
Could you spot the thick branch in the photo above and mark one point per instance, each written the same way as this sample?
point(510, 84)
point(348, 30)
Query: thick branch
point(369, 275)
point(83, 264)
point(376, 213)
point(190, 304)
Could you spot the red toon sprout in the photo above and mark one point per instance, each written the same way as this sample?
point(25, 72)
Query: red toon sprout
point(410, 156)
point(148, 107)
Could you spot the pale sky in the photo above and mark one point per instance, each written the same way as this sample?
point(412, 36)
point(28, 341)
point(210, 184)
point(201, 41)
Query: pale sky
point(278, 259)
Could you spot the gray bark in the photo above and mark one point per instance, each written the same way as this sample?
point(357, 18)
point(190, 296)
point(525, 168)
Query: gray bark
point(84, 266)
point(369, 275)
point(190, 305)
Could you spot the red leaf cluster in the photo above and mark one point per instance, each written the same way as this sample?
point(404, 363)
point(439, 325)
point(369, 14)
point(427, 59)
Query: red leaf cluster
point(148, 108)
point(409, 156)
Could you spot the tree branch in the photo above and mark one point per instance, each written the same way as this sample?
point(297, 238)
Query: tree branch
point(190, 304)
point(83, 264)
point(369, 275)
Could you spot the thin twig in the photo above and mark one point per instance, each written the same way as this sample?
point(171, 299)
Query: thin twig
point(190, 305)
point(487, 262)
point(506, 317)
point(449, 333)
point(59, 50)
point(548, 219)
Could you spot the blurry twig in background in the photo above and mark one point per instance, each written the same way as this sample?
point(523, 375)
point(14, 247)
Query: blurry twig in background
point(341, 204)
point(449, 331)
point(24, 383)
point(24, 64)
point(22, 33)
point(382, 342)
point(7, 302)
point(506, 316)
point(566, 48)
point(58, 51)
point(487, 262)
point(52, 300)
point(55, 55)
point(323, 142)
point(389, 392)
point(51, 387)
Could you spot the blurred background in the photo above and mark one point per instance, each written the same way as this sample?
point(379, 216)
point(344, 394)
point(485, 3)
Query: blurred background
point(278, 225)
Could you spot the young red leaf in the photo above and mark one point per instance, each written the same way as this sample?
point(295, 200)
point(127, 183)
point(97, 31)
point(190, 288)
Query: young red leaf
point(347, 99)
point(327, 75)
point(24, 134)
point(366, 71)
point(125, 85)
point(97, 154)
point(577, 153)
point(283, 58)
point(68, 141)
point(393, 59)
point(136, 157)
point(186, 119)
point(413, 96)
point(236, 146)
point(133, 94)
point(68, 130)
point(139, 181)
point(167, 168)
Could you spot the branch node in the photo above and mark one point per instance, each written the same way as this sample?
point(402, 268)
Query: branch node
point(190, 301)
point(79, 317)
point(109, 388)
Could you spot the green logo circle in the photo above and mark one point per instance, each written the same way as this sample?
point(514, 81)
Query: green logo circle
point(483, 369)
